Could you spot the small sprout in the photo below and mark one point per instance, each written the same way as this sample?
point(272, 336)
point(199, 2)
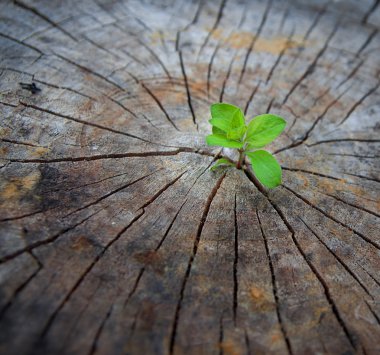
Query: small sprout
point(230, 131)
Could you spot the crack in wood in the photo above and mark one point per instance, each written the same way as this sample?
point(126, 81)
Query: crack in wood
point(221, 335)
point(19, 289)
point(359, 102)
point(253, 93)
point(53, 316)
point(187, 88)
point(351, 204)
point(156, 100)
point(214, 27)
point(131, 293)
point(310, 69)
point(190, 262)
point(226, 78)
point(236, 264)
point(351, 338)
point(111, 193)
point(362, 236)
point(87, 123)
point(338, 258)
point(114, 156)
point(49, 240)
point(45, 18)
point(370, 11)
point(344, 140)
point(99, 331)
point(255, 38)
point(307, 134)
point(274, 286)
point(88, 70)
point(22, 43)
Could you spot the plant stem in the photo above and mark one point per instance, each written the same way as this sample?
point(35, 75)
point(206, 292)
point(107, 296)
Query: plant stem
point(241, 158)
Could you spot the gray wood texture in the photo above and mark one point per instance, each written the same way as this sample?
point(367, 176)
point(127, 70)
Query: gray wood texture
point(115, 238)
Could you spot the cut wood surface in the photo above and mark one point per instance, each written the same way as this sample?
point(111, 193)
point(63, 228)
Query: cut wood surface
point(116, 238)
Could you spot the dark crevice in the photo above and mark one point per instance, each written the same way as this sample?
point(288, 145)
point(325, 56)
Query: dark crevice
point(355, 155)
point(99, 332)
point(344, 140)
point(311, 266)
point(373, 312)
point(370, 275)
point(44, 17)
point(156, 100)
point(247, 342)
point(235, 268)
point(310, 172)
point(209, 68)
point(21, 43)
point(165, 235)
point(12, 141)
point(83, 276)
point(87, 123)
point(115, 156)
point(111, 193)
point(215, 26)
point(8, 104)
point(45, 241)
point(350, 204)
point(279, 57)
point(363, 177)
point(190, 262)
point(135, 285)
point(221, 336)
point(311, 67)
point(65, 88)
point(159, 192)
point(88, 184)
point(314, 124)
point(352, 73)
point(125, 108)
point(22, 286)
point(88, 70)
point(102, 48)
point(368, 41)
point(274, 287)
point(370, 11)
point(253, 93)
point(365, 238)
point(155, 56)
point(21, 216)
point(254, 39)
point(269, 105)
point(100, 255)
point(48, 84)
point(187, 88)
point(315, 22)
point(353, 108)
point(339, 259)
point(226, 78)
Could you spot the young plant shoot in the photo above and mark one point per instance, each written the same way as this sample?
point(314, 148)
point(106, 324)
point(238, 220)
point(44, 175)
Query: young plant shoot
point(230, 131)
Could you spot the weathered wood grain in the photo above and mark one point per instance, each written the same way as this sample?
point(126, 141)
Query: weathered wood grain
point(115, 238)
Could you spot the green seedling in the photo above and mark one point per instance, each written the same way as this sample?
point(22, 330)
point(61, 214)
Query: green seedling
point(230, 131)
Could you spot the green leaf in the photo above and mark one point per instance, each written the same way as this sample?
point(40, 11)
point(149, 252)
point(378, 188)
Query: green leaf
point(237, 133)
point(226, 117)
point(266, 168)
point(263, 129)
point(222, 141)
point(221, 161)
point(216, 130)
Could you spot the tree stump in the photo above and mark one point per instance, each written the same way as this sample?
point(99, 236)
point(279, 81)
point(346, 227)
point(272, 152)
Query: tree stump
point(115, 236)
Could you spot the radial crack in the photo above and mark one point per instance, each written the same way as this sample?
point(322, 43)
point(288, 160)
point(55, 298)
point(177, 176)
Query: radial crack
point(190, 262)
